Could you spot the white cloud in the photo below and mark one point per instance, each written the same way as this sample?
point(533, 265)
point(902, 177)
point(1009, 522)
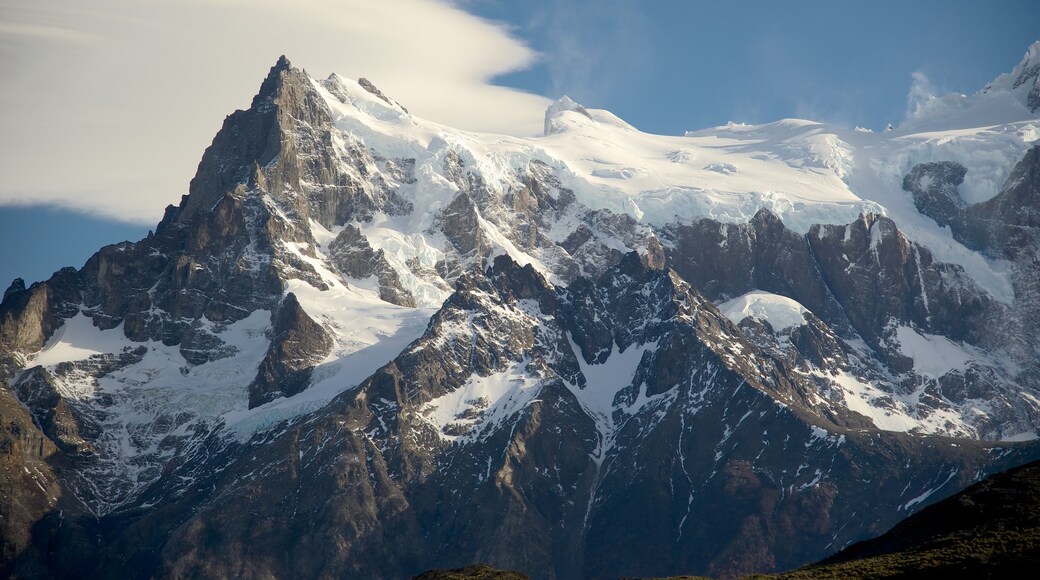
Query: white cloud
point(107, 109)
point(922, 92)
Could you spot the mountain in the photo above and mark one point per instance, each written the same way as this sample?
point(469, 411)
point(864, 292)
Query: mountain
point(366, 344)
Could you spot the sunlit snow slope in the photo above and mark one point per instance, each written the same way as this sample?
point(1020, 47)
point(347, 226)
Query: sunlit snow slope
point(803, 171)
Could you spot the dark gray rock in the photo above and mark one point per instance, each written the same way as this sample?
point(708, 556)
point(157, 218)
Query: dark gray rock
point(31, 488)
point(878, 275)
point(1004, 227)
point(29, 317)
point(862, 281)
point(728, 260)
point(17, 285)
point(351, 253)
point(56, 418)
point(1008, 225)
point(1030, 76)
point(934, 187)
point(298, 343)
point(856, 278)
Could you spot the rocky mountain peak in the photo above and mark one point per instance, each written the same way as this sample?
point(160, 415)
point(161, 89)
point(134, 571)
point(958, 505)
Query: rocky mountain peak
point(297, 344)
point(263, 136)
point(1028, 71)
point(654, 258)
point(17, 285)
point(271, 84)
point(934, 187)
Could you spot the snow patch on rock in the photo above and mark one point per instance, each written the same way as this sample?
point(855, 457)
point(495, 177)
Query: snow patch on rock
point(482, 403)
point(603, 382)
point(935, 355)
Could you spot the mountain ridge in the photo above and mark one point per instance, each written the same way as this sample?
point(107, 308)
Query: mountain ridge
point(445, 347)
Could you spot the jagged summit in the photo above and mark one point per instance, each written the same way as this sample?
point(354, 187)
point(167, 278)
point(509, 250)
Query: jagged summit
point(257, 147)
point(272, 82)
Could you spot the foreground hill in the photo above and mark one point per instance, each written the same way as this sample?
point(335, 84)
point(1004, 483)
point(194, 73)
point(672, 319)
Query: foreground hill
point(990, 530)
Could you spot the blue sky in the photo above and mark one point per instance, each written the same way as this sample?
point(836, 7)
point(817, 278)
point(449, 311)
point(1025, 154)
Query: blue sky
point(667, 67)
point(98, 140)
point(37, 241)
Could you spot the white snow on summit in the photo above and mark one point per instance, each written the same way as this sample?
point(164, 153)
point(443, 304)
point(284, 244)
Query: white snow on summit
point(803, 171)
point(780, 312)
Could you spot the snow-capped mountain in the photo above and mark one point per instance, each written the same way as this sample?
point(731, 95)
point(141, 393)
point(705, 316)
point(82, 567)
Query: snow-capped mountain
point(369, 344)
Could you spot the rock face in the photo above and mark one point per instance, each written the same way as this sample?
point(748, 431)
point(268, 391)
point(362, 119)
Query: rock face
point(867, 282)
point(557, 478)
point(1004, 226)
point(31, 315)
point(31, 488)
point(1028, 79)
point(934, 187)
point(361, 349)
point(38, 391)
point(298, 344)
point(1023, 82)
point(351, 253)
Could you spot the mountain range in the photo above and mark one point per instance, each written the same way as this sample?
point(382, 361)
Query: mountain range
point(367, 345)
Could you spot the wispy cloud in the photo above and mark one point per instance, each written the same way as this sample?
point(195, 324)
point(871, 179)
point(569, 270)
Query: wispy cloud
point(15, 29)
point(121, 99)
point(595, 45)
point(922, 91)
